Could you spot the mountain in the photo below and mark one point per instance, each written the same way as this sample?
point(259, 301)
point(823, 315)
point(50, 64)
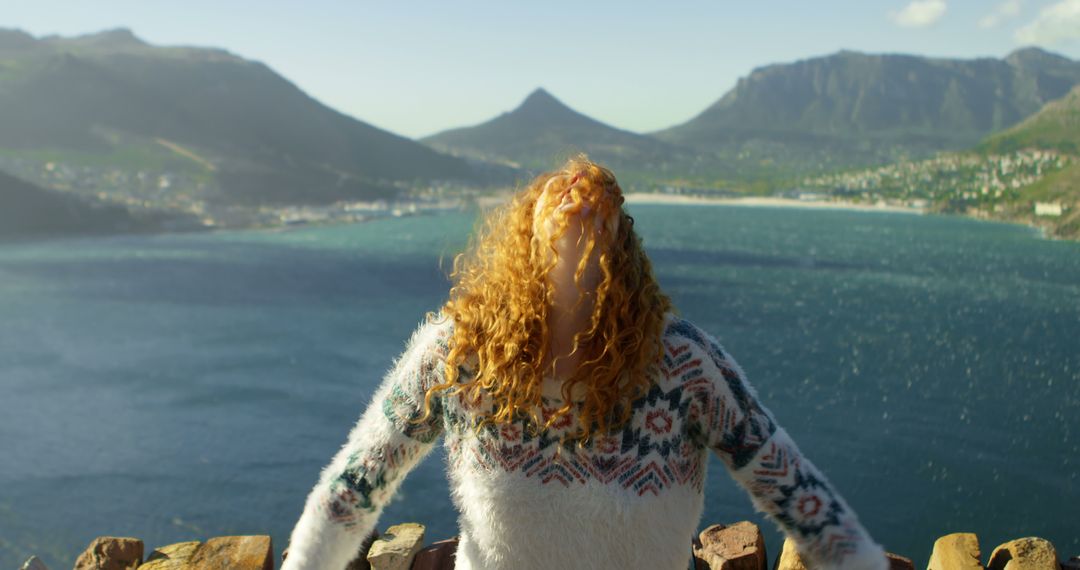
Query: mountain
point(854, 109)
point(32, 211)
point(542, 131)
point(235, 129)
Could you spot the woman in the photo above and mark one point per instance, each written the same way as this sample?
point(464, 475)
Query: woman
point(576, 409)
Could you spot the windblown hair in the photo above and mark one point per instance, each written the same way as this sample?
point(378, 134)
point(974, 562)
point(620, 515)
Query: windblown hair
point(501, 298)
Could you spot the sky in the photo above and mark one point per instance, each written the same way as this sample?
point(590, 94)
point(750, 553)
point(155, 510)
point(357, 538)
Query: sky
point(417, 68)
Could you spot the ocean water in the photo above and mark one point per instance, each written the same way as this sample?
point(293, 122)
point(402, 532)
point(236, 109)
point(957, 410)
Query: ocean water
point(178, 387)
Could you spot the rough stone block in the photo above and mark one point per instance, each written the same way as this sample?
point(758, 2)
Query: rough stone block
point(789, 558)
point(111, 553)
point(235, 553)
point(1031, 553)
point(735, 547)
point(957, 551)
point(397, 547)
point(171, 557)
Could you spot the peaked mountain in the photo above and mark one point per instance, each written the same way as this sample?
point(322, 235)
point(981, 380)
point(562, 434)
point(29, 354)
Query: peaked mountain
point(542, 131)
point(854, 109)
point(245, 133)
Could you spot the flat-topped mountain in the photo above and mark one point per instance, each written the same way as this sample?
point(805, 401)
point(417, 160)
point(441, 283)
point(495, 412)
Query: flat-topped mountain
point(543, 130)
point(852, 108)
point(246, 133)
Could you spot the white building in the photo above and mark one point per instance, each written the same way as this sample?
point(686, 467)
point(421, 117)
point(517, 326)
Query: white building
point(1048, 208)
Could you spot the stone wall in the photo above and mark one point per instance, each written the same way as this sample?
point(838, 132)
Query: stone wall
point(739, 546)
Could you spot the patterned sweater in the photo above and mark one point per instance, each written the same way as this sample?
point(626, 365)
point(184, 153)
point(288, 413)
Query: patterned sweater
point(630, 498)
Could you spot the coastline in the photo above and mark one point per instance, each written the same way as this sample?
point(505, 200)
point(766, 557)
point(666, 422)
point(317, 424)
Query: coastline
point(768, 202)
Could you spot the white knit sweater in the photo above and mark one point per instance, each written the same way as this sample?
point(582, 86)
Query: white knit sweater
point(628, 499)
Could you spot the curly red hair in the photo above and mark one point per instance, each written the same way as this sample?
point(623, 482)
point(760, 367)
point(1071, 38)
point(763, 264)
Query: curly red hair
point(501, 297)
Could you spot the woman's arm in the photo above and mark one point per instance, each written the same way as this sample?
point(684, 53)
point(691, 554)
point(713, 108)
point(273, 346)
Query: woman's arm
point(384, 445)
point(727, 417)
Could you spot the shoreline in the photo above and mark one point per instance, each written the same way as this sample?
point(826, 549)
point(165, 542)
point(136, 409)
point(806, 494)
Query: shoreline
point(768, 202)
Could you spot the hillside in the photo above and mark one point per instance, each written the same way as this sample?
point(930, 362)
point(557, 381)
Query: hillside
point(853, 109)
point(543, 130)
point(32, 211)
point(1055, 127)
point(1004, 177)
point(228, 130)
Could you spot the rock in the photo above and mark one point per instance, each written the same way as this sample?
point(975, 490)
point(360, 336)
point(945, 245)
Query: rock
point(736, 547)
point(397, 547)
point(220, 553)
point(897, 562)
point(111, 553)
point(34, 563)
point(957, 551)
point(1031, 553)
point(171, 557)
point(439, 556)
point(235, 553)
point(789, 558)
point(1071, 564)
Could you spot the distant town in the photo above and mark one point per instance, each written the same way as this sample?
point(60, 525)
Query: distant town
point(951, 182)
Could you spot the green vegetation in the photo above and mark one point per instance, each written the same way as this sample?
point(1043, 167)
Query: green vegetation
point(1056, 127)
point(1008, 176)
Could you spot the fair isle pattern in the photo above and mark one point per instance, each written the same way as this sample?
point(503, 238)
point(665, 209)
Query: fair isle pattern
point(762, 456)
point(700, 401)
point(659, 448)
point(649, 455)
point(363, 485)
point(797, 496)
point(725, 416)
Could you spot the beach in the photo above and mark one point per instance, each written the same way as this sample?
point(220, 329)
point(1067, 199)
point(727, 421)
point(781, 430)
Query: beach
point(768, 202)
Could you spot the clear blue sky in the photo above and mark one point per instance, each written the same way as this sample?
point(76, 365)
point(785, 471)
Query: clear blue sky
point(422, 66)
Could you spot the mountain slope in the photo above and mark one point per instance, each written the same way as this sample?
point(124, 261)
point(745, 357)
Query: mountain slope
point(850, 109)
point(1055, 127)
point(265, 139)
point(32, 211)
point(1006, 177)
point(543, 130)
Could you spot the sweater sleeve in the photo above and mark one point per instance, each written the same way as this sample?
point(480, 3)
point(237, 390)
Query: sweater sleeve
point(383, 446)
point(727, 417)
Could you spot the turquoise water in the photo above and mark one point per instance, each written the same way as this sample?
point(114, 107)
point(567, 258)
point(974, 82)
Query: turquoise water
point(178, 387)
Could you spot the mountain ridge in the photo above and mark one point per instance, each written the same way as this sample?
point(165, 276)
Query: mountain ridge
point(272, 143)
point(856, 109)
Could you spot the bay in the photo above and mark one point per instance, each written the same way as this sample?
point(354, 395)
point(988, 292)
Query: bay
point(177, 387)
